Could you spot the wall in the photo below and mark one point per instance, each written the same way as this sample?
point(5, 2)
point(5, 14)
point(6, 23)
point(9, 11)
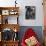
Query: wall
point(39, 13)
point(22, 21)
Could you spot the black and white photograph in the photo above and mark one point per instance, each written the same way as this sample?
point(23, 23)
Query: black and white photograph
point(30, 12)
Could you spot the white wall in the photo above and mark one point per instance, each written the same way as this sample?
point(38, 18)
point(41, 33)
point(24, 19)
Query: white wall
point(22, 3)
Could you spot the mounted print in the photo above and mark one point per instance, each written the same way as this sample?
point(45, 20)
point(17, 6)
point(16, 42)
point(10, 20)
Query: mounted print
point(30, 12)
point(5, 12)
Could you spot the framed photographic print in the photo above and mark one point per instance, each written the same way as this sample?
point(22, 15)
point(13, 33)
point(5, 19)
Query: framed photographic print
point(5, 12)
point(10, 19)
point(13, 12)
point(30, 12)
point(13, 20)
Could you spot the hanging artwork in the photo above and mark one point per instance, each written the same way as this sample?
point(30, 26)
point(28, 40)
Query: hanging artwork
point(30, 12)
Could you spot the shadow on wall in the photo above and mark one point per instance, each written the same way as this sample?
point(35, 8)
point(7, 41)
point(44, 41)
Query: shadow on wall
point(37, 29)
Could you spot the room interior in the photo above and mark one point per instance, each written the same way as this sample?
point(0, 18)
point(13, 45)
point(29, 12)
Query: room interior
point(17, 16)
